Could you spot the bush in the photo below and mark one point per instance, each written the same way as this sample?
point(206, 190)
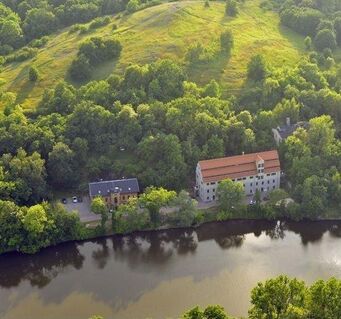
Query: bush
point(80, 69)
point(23, 54)
point(325, 39)
point(133, 5)
point(231, 8)
point(33, 74)
point(97, 50)
point(39, 43)
point(256, 69)
point(307, 43)
point(226, 41)
point(99, 22)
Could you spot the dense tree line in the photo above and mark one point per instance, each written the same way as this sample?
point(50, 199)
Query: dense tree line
point(153, 124)
point(28, 229)
point(320, 20)
point(23, 21)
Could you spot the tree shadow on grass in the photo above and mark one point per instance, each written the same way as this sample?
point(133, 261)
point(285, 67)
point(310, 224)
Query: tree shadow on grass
point(100, 72)
point(27, 86)
point(295, 39)
point(204, 72)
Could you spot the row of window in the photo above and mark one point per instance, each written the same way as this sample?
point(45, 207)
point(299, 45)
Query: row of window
point(242, 179)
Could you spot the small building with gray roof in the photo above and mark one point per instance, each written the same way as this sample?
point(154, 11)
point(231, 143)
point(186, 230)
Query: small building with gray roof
point(115, 192)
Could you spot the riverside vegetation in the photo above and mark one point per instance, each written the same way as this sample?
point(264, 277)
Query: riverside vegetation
point(293, 300)
point(165, 123)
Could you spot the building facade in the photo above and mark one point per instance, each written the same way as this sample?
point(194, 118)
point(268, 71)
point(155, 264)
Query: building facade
point(256, 171)
point(115, 192)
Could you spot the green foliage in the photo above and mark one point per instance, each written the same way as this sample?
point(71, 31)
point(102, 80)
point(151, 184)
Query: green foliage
point(99, 22)
point(39, 22)
point(231, 8)
point(226, 41)
point(210, 312)
point(325, 39)
point(29, 229)
point(277, 298)
point(10, 28)
point(303, 20)
point(133, 5)
point(61, 166)
point(130, 217)
point(256, 68)
point(308, 43)
point(91, 53)
point(33, 74)
point(99, 207)
point(80, 68)
point(185, 211)
point(153, 199)
point(27, 173)
point(230, 195)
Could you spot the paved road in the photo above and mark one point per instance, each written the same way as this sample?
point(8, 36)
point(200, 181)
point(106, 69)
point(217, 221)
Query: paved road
point(83, 210)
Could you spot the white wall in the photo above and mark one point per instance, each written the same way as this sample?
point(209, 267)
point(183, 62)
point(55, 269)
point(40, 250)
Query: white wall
point(263, 182)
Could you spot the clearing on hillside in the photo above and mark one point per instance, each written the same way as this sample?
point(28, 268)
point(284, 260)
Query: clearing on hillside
point(165, 31)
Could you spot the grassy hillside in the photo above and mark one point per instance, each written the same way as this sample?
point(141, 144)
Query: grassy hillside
point(165, 31)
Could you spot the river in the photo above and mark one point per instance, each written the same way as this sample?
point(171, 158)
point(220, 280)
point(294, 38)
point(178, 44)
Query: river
point(161, 274)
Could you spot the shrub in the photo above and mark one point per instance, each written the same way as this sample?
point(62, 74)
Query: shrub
point(231, 8)
point(33, 74)
point(307, 43)
point(99, 22)
point(39, 43)
point(80, 69)
point(226, 41)
point(23, 54)
point(133, 5)
point(325, 39)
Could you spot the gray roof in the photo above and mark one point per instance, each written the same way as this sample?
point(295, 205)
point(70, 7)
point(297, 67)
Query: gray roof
point(287, 130)
point(124, 186)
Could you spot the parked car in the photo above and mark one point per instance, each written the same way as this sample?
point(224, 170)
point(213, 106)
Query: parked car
point(74, 199)
point(80, 199)
point(64, 200)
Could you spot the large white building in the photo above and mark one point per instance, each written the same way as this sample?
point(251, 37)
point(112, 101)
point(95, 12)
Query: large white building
point(260, 171)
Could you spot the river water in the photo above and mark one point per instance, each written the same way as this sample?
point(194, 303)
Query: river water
point(161, 274)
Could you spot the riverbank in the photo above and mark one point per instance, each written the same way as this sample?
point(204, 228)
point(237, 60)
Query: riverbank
point(141, 275)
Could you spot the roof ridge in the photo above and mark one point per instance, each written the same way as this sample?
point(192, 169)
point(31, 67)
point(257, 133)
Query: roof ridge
point(239, 155)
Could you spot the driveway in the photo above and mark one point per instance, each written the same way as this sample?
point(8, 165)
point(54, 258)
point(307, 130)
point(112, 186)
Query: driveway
point(83, 210)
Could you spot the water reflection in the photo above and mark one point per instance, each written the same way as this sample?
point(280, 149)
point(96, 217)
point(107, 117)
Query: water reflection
point(121, 271)
point(39, 269)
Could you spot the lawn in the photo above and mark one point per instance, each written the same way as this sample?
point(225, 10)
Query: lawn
point(165, 31)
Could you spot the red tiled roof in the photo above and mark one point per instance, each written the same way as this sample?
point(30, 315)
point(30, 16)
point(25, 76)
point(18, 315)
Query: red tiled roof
point(238, 166)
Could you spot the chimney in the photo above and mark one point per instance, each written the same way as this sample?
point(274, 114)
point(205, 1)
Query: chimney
point(288, 121)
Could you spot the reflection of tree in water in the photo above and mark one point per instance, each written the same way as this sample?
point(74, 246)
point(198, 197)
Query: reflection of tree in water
point(230, 241)
point(155, 247)
point(102, 254)
point(187, 243)
point(38, 269)
point(278, 231)
point(335, 230)
point(310, 231)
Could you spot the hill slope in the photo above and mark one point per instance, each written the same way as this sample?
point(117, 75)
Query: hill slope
point(163, 31)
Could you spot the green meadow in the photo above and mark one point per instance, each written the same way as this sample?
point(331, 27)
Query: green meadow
point(165, 31)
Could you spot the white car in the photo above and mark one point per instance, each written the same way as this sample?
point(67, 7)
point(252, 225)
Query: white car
point(74, 199)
